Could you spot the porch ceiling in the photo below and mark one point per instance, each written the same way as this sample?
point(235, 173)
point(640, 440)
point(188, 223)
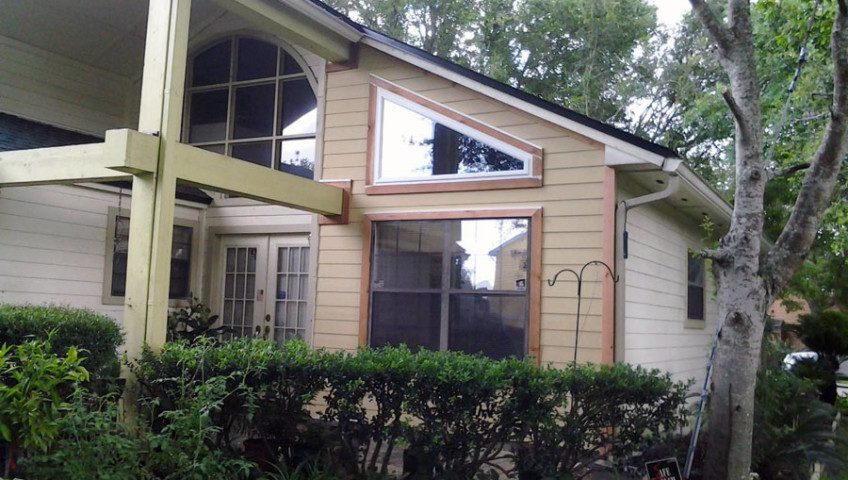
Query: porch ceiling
point(109, 34)
point(106, 34)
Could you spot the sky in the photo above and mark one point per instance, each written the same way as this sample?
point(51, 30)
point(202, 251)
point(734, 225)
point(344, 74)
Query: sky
point(669, 12)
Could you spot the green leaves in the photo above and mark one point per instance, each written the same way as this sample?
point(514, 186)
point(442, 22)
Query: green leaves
point(34, 384)
point(452, 412)
point(95, 336)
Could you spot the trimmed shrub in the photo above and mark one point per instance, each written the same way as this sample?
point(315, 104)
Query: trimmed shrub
point(454, 414)
point(573, 415)
point(95, 336)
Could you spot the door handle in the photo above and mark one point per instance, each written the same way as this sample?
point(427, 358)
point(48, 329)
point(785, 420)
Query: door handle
point(268, 318)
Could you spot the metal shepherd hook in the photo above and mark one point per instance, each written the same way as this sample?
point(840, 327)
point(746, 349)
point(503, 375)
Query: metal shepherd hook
point(579, 277)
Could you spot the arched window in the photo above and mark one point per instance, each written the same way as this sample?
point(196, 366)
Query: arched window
point(251, 100)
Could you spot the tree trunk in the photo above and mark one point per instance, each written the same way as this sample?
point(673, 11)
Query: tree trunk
point(731, 414)
point(745, 286)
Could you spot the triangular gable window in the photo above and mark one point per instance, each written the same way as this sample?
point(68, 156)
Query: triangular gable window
point(415, 143)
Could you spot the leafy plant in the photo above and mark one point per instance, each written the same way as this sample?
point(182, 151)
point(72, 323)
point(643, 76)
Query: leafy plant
point(96, 337)
point(382, 380)
point(90, 442)
point(34, 383)
point(193, 322)
point(578, 416)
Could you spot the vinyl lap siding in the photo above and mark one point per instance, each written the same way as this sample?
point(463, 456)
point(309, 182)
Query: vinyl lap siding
point(571, 198)
point(53, 244)
point(656, 330)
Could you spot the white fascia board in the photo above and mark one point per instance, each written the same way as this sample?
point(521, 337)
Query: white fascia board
point(539, 112)
point(614, 157)
point(706, 192)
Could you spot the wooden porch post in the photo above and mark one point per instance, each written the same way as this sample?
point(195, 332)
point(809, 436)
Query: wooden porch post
point(152, 210)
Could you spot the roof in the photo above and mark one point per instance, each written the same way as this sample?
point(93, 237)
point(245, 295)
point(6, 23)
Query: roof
point(18, 133)
point(502, 87)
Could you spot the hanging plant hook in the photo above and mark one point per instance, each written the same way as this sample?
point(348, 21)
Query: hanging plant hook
point(579, 277)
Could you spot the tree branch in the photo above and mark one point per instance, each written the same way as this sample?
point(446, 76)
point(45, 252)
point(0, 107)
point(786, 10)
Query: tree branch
point(789, 171)
point(719, 32)
point(819, 182)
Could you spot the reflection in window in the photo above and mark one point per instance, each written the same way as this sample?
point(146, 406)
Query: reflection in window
point(695, 291)
point(451, 284)
point(262, 110)
point(414, 146)
point(180, 260)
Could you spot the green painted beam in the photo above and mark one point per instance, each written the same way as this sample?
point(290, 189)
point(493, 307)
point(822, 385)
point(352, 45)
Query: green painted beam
point(225, 174)
point(123, 153)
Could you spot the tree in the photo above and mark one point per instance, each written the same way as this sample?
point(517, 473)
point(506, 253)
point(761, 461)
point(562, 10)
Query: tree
point(582, 54)
point(748, 279)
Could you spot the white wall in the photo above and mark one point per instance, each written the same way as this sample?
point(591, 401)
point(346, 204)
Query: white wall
point(47, 88)
point(53, 244)
point(657, 333)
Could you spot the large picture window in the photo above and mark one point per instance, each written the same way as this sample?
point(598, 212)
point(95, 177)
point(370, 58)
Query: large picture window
point(418, 142)
point(251, 100)
point(451, 285)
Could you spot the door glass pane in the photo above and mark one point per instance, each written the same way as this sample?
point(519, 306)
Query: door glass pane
point(208, 116)
point(494, 325)
point(212, 66)
point(299, 108)
point(256, 59)
point(291, 314)
point(408, 318)
point(254, 116)
point(297, 157)
point(239, 289)
point(253, 152)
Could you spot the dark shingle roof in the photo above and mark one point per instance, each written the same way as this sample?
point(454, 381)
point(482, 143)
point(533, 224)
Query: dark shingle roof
point(21, 134)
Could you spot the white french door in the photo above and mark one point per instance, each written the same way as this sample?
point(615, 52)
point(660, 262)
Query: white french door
point(264, 285)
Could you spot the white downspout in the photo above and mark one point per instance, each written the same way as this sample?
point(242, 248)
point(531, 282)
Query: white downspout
point(672, 185)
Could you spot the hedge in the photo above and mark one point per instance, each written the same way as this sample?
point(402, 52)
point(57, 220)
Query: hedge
point(454, 415)
point(96, 336)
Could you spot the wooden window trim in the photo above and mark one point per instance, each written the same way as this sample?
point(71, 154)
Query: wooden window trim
point(449, 185)
point(107, 298)
point(534, 285)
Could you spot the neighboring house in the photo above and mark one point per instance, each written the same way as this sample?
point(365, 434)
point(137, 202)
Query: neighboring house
point(465, 194)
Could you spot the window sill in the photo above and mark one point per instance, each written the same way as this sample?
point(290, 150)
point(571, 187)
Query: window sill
point(695, 324)
point(459, 186)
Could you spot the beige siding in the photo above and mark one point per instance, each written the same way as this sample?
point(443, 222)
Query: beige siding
point(571, 198)
point(53, 244)
point(657, 333)
point(48, 88)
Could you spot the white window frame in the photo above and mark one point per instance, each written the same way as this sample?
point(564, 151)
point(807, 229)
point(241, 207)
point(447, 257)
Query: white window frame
point(193, 283)
point(383, 95)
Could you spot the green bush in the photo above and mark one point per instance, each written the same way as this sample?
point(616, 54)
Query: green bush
point(573, 415)
point(34, 383)
point(792, 428)
point(90, 439)
point(95, 336)
point(825, 332)
point(452, 413)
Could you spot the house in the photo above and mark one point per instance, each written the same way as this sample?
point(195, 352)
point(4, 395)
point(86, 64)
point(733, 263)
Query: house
point(448, 198)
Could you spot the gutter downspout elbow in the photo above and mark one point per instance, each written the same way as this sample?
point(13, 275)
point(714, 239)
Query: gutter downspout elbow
point(669, 166)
